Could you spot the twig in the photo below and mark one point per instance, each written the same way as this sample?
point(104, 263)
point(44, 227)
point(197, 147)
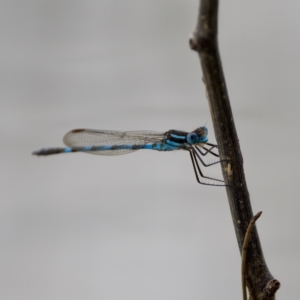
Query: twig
point(244, 253)
point(204, 41)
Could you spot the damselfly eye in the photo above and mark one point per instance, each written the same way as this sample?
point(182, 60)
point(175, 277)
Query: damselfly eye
point(192, 137)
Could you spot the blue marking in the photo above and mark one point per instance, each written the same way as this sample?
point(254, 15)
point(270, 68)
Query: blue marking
point(86, 148)
point(170, 147)
point(67, 150)
point(193, 138)
point(105, 147)
point(174, 144)
point(149, 146)
point(178, 136)
point(163, 147)
point(157, 146)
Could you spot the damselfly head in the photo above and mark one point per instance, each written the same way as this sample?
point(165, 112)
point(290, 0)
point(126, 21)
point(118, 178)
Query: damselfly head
point(198, 136)
point(201, 131)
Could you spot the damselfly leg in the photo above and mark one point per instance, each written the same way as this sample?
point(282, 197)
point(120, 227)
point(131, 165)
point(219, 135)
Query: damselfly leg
point(194, 157)
point(212, 146)
point(203, 153)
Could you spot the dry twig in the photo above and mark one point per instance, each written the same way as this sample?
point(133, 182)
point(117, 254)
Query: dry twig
point(204, 41)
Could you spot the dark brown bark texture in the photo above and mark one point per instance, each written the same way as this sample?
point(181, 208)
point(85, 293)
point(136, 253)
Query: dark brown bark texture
point(260, 282)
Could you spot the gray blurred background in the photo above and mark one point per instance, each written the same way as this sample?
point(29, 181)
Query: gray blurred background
point(139, 226)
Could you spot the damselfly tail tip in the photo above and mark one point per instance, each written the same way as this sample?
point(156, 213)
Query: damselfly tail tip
point(42, 152)
point(37, 153)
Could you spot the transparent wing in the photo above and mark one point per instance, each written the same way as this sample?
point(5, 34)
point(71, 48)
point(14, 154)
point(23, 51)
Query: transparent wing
point(90, 137)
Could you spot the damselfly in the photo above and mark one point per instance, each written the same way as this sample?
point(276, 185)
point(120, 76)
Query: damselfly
point(108, 142)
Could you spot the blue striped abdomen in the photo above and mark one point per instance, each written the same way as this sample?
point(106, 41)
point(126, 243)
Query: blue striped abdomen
point(107, 149)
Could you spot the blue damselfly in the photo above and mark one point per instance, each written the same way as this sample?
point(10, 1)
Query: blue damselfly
point(108, 142)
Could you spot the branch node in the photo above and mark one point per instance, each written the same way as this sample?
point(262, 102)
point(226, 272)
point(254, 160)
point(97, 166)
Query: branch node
point(270, 289)
point(193, 43)
point(201, 43)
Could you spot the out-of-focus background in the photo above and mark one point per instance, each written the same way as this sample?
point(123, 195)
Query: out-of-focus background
point(138, 226)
